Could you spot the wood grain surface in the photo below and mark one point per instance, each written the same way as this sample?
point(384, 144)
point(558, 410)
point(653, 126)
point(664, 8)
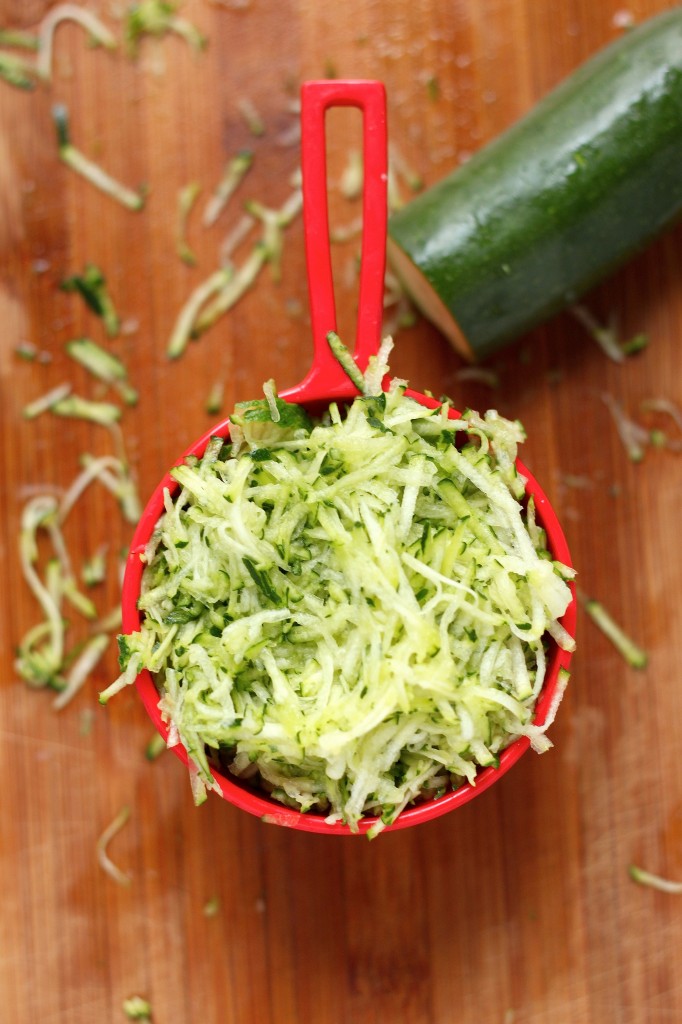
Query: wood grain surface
point(515, 909)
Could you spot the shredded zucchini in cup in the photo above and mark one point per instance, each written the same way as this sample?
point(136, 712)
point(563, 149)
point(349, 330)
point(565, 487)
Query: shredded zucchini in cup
point(359, 620)
point(351, 623)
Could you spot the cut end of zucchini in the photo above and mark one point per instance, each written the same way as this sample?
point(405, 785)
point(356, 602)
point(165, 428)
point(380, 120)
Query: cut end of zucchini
point(427, 299)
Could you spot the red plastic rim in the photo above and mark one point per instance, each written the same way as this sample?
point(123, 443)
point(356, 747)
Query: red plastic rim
point(259, 804)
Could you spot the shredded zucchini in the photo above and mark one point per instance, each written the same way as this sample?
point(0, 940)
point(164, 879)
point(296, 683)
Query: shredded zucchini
point(94, 569)
point(96, 29)
point(254, 121)
point(82, 667)
point(187, 197)
point(18, 39)
point(352, 176)
point(87, 168)
point(137, 1008)
point(45, 656)
point(76, 407)
point(353, 611)
point(103, 365)
point(155, 747)
point(211, 906)
point(607, 336)
point(17, 71)
point(157, 18)
point(633, 654)
point(214, 399)
point(227, 186)
point(103, 858)
point(91, 285)
point(47, 401)
point(647, 878)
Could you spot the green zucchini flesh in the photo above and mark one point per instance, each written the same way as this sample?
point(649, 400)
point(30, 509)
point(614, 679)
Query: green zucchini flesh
point(554, 204)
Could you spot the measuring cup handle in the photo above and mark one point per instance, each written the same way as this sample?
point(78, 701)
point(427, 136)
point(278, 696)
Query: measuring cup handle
point(316, 98)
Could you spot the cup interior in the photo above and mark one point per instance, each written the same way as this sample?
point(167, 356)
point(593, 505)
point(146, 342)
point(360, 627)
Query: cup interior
point(245, 795)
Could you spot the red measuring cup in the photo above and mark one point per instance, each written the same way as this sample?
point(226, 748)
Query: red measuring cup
point(326, 382)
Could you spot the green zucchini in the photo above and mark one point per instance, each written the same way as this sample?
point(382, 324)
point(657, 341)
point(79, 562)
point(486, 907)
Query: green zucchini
point(564, 196)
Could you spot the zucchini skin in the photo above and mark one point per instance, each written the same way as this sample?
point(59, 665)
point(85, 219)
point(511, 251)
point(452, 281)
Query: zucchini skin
point(565, 195)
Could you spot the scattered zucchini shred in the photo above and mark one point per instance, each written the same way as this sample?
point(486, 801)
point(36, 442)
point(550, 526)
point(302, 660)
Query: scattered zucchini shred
point(91, 285)
point(87, 720)
point(633, 435)
point(400, 171)
point(76, 407)
point(43, 659)
point(18, 39)
point(94, 568)
point(92, 651)
point(214, 401)
point(155, 747)
point(237, 283)
point(211, 907)
point(47, 401)
point(103, 859)
point(184, 324)
point(637, 343)
point(234, 237)
point(667, 408)
point(87, 168)
point(633, 654)
point(232, 177)
point(607, 337)
point(40, 654)
point(187, 197)
point(223, 288)
point(433, 90)
point(103, 365)
point(643, 877)
point(254, 121)
point(158, 18)
point(274, 222)
point(98, 33)
point(350, 183)
point(113, 472)
point(403, 313)
point(27, 351)
point(18, 71)
point(137, 1008)
point(352, 610)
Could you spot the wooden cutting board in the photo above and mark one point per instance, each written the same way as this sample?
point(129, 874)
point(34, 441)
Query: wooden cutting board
point(516, 909)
